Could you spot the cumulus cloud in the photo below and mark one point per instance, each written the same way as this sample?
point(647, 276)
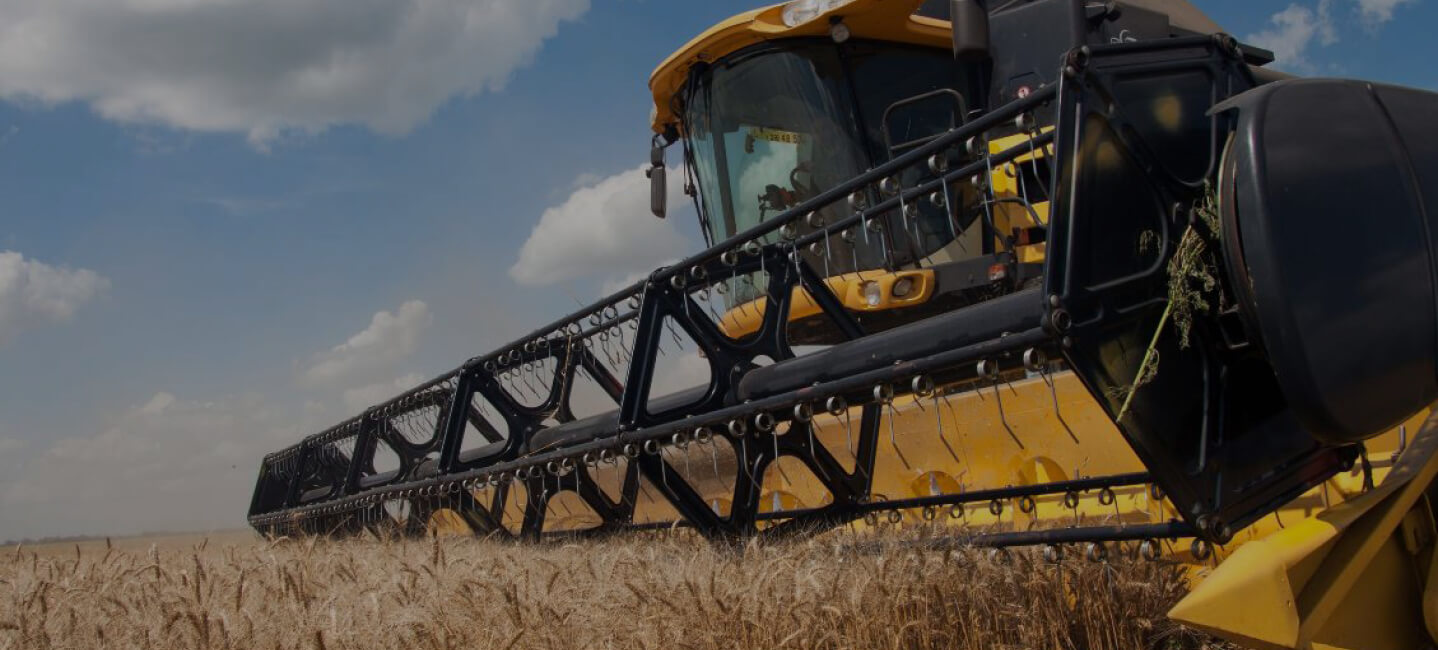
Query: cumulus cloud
point(267, 67)
point(167, 464)
point(363, 397)
point(34, 294)
point(1377, 12)
point(390, 338)
point(680, 372)
point(616, 283)
point(603, 230)
point(11, 445)
point(1293, 31)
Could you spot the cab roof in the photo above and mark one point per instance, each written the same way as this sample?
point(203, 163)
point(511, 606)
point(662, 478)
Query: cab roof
point(884, 20)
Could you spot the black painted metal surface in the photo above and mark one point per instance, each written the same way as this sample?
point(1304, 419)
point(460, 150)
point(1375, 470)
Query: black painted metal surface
point(1330, 189)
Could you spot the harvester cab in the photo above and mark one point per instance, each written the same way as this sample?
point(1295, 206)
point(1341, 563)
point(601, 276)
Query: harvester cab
point(1053, 272)
point(774, 107)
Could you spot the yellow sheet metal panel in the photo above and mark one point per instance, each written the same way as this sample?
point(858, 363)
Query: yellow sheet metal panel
point(1341, 579)
point(1249, 601)
point(883, 20)
point(448, 523)
point(1006, 183)
point(950, 444)
point(995, 436)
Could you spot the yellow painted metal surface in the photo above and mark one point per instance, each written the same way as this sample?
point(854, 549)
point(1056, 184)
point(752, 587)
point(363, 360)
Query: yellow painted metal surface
point(446, 522)
point(745, 319)
point(977, 438)
point(1353, 576)
point(1007, 184)
point(883, 20)
point(959, 442)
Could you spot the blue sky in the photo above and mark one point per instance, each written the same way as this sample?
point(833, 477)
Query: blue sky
point(226, 223)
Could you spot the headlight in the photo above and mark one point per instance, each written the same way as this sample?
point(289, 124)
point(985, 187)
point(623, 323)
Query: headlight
point(799, 12)
point(873, 294)
point(903, 286)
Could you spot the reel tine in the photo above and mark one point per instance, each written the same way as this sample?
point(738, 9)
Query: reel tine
point(939, 166)
point(750, 473)
point(804, 417)
point(626, 351)
point(893, 440)
point(939, 420)
point(828, 248)
point(849, 439)
point(1043, 370)
point(765, 424)
point(990, 369)
point(986, 185)
point(681, 446)
point(645, 490)
point(884, 396)
point(714, 456)
point(754, 472)
point(669, 324)
point(663, 468)
point(783, 474)
point(835, 406)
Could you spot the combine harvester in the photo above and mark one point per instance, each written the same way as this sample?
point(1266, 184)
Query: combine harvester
point(1074, 274)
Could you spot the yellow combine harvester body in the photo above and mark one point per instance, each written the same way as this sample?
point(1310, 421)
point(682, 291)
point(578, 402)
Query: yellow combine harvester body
point(1024, 431)
point(1322, 558)
point(1040, 429)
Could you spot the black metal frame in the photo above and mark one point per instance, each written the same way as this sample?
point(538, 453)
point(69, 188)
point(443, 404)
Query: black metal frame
point(357, 498)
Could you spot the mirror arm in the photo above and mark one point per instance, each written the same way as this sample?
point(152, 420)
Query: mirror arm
point(970, 21)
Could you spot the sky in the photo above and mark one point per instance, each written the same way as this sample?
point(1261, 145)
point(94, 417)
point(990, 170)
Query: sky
point(225, 224)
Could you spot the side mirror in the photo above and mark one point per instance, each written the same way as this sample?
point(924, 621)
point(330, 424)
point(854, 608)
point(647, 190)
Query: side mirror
point(658, 190)
point(970, 20)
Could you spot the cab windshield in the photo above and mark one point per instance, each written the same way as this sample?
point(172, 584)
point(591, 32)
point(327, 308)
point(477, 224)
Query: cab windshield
point(774, 125)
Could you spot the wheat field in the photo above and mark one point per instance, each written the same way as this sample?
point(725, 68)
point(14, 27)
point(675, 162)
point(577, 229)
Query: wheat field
point(651, 592)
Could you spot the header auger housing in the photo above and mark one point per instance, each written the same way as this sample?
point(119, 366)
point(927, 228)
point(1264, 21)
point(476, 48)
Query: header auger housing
point(1105, 280)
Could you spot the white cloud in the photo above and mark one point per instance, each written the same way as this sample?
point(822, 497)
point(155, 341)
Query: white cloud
point(615, 283)
point(157, 404)
point(34, 294)
point(1377, 12)
point(604, 230)
point(170, 463)
point(376, 350)
point(12, 445)
point(676, 372)
point(1293, 31)
point(269, 67)
point(363, 397)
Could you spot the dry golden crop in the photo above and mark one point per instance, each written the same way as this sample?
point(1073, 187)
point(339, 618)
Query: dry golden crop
point(653, 592)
